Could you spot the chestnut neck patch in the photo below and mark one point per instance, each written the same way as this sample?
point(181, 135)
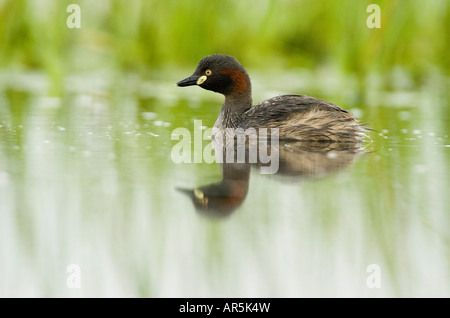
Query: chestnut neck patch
point(239, 78)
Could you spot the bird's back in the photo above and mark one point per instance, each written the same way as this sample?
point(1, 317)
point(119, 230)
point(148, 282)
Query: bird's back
point(305, 118)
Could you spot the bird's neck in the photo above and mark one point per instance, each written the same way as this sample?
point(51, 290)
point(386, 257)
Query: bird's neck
point(235, 105)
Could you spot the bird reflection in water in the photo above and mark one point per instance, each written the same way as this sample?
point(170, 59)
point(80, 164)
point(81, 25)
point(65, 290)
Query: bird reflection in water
point(297, 161)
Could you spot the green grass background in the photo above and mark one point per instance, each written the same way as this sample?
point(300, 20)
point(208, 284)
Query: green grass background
point(140, 35)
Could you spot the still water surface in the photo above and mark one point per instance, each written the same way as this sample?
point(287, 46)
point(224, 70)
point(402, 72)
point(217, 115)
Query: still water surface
point(87, 179)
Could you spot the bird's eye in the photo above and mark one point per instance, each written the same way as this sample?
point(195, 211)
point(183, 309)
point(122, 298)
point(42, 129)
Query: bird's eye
point(208, 72)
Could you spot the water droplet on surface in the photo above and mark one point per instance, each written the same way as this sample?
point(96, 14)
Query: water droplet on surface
point(86, 153)
point(404, 115)
point(148, 115)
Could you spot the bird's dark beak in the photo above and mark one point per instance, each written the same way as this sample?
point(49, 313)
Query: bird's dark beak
point(191, 80)
point(188, 192)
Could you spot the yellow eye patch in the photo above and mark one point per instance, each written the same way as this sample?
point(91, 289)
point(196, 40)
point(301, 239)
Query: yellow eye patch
point(201, 198)
point(198, 194)
point(201, 79)
point(208, 72)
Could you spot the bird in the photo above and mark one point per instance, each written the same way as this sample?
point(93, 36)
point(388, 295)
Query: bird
point(295, 117)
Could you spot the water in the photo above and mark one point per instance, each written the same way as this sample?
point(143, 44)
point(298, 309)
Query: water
point(90, 197)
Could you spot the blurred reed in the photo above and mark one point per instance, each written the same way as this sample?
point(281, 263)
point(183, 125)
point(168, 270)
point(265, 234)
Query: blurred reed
point(143, 35)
